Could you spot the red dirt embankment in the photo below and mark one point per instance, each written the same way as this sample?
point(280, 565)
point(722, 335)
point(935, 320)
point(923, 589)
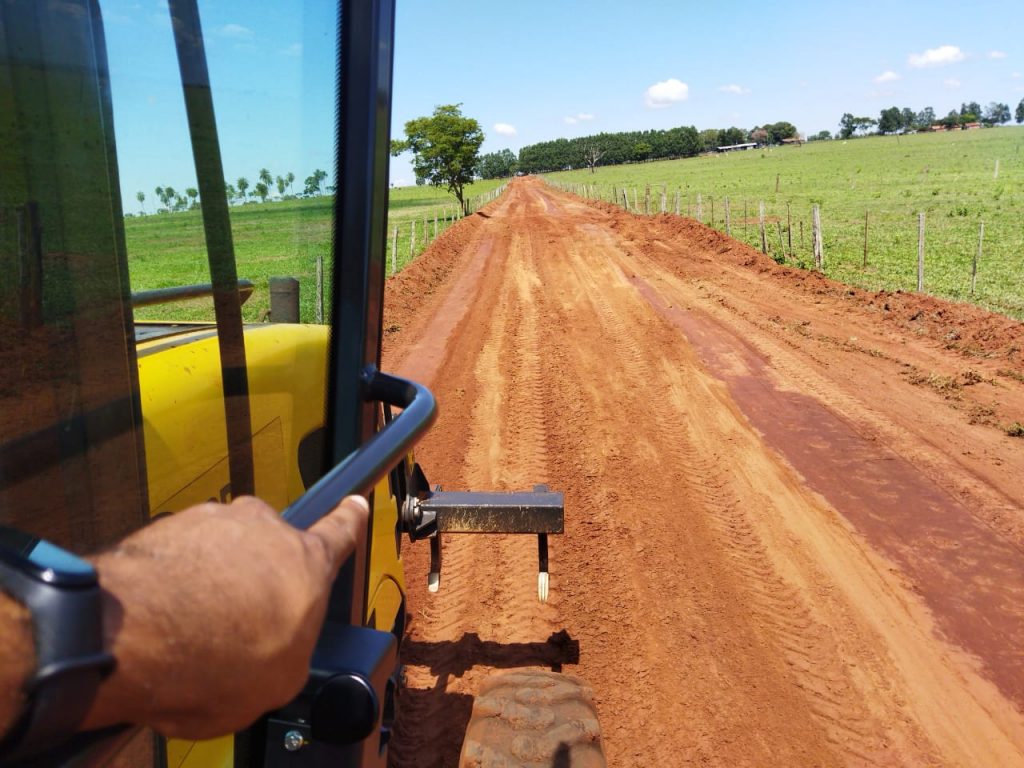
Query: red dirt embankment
point(794, 510)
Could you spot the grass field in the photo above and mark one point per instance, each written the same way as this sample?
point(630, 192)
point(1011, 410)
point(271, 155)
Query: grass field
point(271, 239)
point(947, 176)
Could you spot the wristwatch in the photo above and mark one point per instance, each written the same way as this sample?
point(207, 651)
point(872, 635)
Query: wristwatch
point(62, 594)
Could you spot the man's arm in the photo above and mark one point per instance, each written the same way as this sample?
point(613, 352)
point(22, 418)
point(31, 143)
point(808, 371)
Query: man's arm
point(17, 659)
point(211, 614)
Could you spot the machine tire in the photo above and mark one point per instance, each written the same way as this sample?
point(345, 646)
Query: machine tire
point(533, 718)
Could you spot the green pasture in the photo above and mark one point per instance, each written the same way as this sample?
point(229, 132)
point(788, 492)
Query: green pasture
point(950, 177)
point(271, 239)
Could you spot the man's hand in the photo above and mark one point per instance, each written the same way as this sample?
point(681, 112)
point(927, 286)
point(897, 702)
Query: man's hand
point(212, 614)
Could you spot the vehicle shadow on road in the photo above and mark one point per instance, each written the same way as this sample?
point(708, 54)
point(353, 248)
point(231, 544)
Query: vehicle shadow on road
point(454, 658)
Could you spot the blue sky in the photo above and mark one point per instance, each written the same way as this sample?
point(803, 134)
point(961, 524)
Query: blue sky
point(532, 71)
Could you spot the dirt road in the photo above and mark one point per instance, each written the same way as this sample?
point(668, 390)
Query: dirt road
point(794, 514)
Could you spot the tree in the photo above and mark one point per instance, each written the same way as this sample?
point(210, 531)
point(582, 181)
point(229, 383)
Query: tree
point(820, 136)
point(908, 119)
point(230, 192)
point(970, 112)
point(592, 154)
point(759, 135)
point(242, 184)
point(890, 120)
point(709, 139)
point(642, 150)
point(315, 183)
point(1019, 114)
point(996, 113)
point(180, 203)
point(779, 131)
point(141, 197)
point(267, 179)
point(193, 195)
point(290, 178)
point(445, 148)
point(731, 136)
point(261, 190)
point(281, 184)
point(925, 118)
point(497, 165)
point(847, 125)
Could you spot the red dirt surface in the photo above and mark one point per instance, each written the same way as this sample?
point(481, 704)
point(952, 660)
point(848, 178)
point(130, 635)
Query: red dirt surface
point(794, 510)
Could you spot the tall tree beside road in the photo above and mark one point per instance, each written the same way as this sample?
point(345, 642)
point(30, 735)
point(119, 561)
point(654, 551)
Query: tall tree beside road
point(445, 148)
point(242, 184)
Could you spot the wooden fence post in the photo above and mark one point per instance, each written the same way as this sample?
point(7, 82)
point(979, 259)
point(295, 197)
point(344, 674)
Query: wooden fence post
point(426, 234)
point(789, 228)
point(319, 288)
point(760, 219)
point(977, 257)
point(782, 244)
point(625, 201)
point(663, 200)
point(647, 200)
point(712, 211)
point(728, 222)
point(819, 256)
point(394, 250)
point(920, 252)
point(636, 202)
point(435, 224)
point(677, 201)
point(865, 266)
point(412, 239)
point(700, 209)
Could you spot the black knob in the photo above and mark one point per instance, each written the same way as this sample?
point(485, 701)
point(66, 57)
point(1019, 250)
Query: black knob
point(345, 710)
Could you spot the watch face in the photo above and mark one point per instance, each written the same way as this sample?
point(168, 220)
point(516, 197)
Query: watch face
point(44, 561)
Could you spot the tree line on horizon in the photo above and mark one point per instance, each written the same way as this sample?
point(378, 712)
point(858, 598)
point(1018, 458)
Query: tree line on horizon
point(238, 192)
point(628, 147)
point(906, 120)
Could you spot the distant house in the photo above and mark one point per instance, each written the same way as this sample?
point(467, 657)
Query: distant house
point(794, 140)
point(734, 147)
point(970, 126)
point(938, 127)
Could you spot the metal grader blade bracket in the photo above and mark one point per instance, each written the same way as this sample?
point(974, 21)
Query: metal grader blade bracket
point(426, 514)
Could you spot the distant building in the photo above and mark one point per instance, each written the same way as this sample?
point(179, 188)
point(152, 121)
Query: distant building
point(970, 126)
point(794, 140)
point(734, 147)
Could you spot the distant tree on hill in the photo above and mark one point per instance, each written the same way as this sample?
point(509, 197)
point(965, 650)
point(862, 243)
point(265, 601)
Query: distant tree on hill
point(996, 113)
point(779, 131)
point(141, 197)
point(970, 112)
point(759, 135)
point(266, 178)
point(642, 150)
point(261, 190)
point(849, 126)
point(193, 195)
point(730, 136)
point(281, 184)
point(445, 148)
point(926, 118)
point(290, 178)
point(709, 139)
point(952, 120)
point(1019, 114)
point(230, 192)
point(908, 119)
point(890, 120)
point(242, 184)
point(820, 136)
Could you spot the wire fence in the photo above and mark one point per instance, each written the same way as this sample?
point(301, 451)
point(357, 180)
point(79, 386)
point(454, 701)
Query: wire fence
point(961, 257)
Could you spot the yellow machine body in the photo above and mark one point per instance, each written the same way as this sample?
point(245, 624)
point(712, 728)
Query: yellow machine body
point(187, 457)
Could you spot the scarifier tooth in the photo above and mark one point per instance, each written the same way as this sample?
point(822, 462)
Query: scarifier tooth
point(433, 582)
point(542, 586)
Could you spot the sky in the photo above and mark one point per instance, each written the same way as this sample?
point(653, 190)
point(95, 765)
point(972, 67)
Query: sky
point(533, 71)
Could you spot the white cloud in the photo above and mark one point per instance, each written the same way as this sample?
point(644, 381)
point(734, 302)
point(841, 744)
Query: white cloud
point(735, 90)
point(295, 49)
point(666, 93)
point(936, 57)
point(1015, 75)
point(997, 54)
point(952, 83)
point(570, 120)
point(505, 129)
point(584, 116)
point(577, 118)
point(887, 77)
point(236, 31)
